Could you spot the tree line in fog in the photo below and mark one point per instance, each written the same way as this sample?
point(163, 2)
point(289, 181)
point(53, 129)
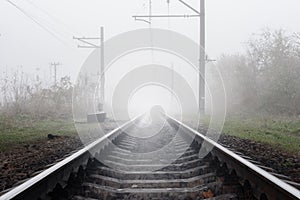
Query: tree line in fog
point(266, 78)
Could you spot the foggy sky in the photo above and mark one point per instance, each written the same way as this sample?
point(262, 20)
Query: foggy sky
point(230, 23)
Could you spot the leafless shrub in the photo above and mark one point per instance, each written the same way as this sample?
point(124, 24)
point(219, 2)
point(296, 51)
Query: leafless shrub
point(22, 96)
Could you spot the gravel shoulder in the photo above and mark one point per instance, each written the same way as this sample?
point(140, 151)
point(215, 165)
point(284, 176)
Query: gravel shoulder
point(25, 161)
point(285, 163)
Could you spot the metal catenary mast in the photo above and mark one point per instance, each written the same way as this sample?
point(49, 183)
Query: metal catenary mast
point(87, 41)
point(202, 54)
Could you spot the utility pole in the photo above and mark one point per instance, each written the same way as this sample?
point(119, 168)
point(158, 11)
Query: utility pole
point(88, 43)
point(202, 58)
point(54, 65)
point(102, 73)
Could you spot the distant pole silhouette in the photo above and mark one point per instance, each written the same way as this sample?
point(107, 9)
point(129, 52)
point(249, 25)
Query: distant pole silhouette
point(54, 65)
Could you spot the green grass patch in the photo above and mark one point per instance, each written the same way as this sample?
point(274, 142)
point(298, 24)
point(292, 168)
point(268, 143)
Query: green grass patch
point(280, 132)
point(23, 130)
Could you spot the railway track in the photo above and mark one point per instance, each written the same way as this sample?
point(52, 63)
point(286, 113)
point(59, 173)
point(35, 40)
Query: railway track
point(133, 162)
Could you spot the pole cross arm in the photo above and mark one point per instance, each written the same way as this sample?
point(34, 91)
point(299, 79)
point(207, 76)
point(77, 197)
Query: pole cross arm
point(142, 20)
point(190, 7)
point(87, 38)
point(165, 16)
point(88, 47)
point(202, 59)
point(86, 41)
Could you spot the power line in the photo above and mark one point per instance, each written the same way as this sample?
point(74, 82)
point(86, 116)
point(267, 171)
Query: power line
point(36, 22)
point(190, 7)
point(136, 17)
point(49, 15)
point(201, 15)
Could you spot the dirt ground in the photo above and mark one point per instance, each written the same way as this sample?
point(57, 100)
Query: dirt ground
point(27, 160)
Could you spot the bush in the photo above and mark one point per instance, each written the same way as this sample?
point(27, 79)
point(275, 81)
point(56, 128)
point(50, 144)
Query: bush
point(266, 78)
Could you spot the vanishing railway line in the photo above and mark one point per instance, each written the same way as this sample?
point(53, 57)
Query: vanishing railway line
point(133, 163)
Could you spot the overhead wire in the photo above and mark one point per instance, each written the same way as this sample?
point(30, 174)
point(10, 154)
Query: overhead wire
point(172, 65)
point(37, 22)
point(143, 8)
point(150, 29)
point(50, 15)
point(168, 2)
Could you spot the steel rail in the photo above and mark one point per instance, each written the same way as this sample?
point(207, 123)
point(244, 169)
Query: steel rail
point(271, 186)
point(259, 179)
point(46, 180)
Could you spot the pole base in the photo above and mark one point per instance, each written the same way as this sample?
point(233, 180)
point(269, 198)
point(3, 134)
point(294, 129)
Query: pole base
point(97, 117)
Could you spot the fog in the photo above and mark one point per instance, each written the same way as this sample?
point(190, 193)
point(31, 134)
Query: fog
point(36, 33)
point(24, 43)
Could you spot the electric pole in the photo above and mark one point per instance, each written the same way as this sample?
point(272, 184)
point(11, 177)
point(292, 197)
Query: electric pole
point(102, 73)
point(54, 65)
point(88, 43)
point(202, 57)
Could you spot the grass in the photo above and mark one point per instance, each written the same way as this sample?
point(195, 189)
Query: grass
point(22, 130)
point(280, 132)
